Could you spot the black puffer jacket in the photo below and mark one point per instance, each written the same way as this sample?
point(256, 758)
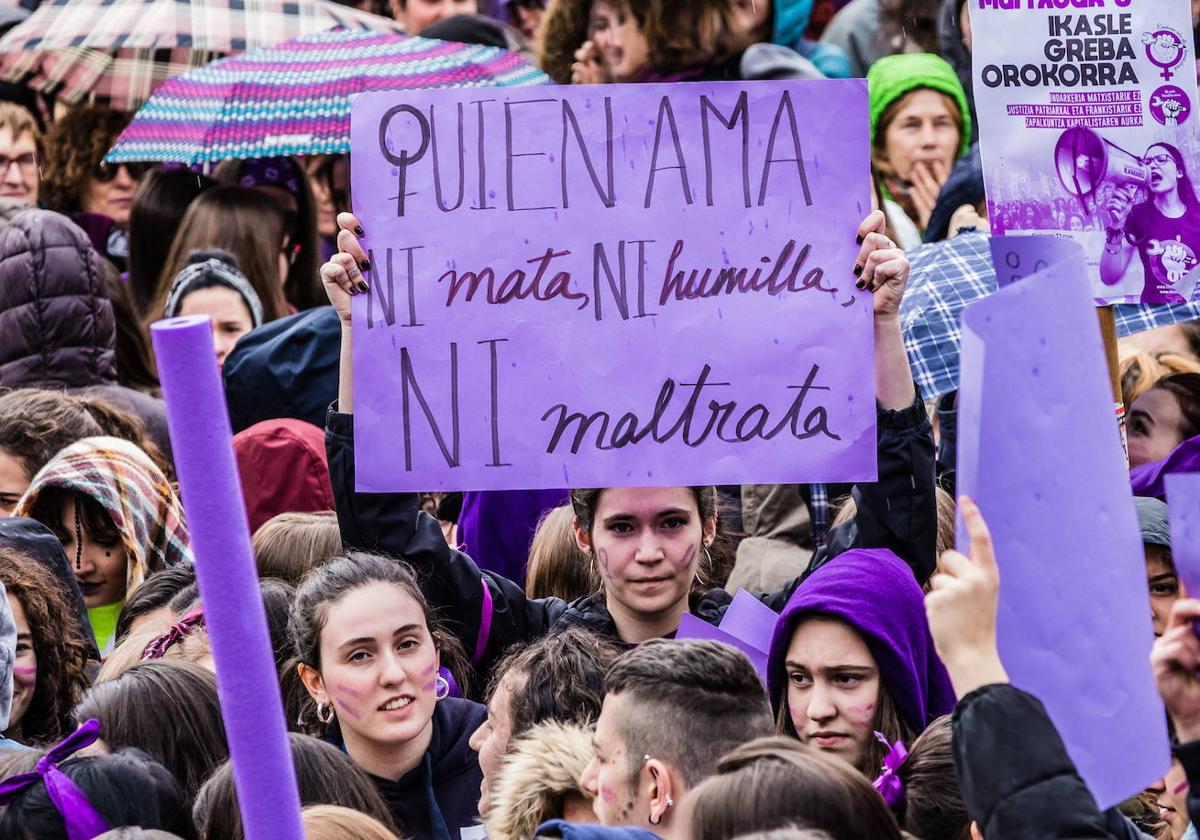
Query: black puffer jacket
point(1016, 778)
point(56, 320)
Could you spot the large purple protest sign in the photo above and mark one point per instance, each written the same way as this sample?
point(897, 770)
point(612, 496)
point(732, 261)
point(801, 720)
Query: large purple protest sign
point(630, 285)
point(1183, 509)
point(1088, 128)
point(1017, 257)
point(1040, 453)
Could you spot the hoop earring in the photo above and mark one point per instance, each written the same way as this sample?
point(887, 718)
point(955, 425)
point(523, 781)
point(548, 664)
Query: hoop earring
point(442, 690)
point(325, 713)
point(708, 557)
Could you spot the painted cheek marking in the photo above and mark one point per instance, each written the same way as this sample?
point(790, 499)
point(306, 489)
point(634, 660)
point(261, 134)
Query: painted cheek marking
point(349, 692)
point(429, 670)
point(861, 714)
point(687, 557)
point(603, 555)
point(25, 672)
point(347, 708)
point(607, 794)
point(430, 687)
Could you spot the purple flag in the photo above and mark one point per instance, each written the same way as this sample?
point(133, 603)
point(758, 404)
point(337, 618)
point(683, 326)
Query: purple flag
point(1040, 453)
point(1016, 256)
point(630, 285)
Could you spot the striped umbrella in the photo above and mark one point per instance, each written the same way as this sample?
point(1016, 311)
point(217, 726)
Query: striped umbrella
point(116, 52)
point(295, 98)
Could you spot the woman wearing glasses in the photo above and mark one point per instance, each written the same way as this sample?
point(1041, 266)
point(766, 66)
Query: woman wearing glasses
point(1163, 230)
point(77, 183)
point(19, 141)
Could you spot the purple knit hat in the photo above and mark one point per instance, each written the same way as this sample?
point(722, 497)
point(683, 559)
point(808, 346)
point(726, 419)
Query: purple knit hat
point(875, 592)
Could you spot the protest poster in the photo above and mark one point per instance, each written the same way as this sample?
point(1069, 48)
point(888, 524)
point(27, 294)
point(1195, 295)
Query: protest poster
point(1087, 128)
point(1039, 452)
point(629, 285)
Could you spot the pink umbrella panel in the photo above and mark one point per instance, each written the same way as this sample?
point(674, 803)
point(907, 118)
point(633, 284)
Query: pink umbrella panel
point(295, 98)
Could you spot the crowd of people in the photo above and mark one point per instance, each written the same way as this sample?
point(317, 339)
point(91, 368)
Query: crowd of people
point(457, 665)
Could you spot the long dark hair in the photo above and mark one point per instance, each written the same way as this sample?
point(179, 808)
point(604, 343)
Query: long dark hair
point(324, 774)
point(162, 198)
point(127, 788)
point(58, 642)
point(167, 708)
point(303, 287)
point(1187, 192)
point(329, 583)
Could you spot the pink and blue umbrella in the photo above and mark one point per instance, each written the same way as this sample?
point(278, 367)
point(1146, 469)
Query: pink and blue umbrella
point(294, 98)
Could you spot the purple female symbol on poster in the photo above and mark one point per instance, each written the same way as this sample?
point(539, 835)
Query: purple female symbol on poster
point(1165, 48)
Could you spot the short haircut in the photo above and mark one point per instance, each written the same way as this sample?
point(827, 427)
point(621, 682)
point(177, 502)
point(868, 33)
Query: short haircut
point(692, 702)
point(19, 121)
point(562, 678)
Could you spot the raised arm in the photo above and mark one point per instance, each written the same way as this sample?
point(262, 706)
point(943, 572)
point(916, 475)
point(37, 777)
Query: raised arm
point(1015, 775)
point(487, 612)
point(898, 511)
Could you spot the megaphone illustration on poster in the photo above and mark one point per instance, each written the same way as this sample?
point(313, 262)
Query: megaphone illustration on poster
point(1085, 160)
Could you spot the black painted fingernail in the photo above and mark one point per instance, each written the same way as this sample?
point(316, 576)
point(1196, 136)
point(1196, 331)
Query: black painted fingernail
point(358, 231)
point(857, 270)
point(861, 284)
point(858, 239)
point(362, 287)
point(365, 265)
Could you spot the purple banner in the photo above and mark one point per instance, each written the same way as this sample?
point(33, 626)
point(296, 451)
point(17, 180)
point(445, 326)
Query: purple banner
point(629, 285)
point(1040, 453)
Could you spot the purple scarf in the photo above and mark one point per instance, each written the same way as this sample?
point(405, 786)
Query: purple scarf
point(874, 592)
point(82, 820)
point(1147, 480)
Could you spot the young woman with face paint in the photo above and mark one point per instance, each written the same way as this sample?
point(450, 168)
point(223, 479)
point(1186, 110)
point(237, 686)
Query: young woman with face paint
point(51, 654)
point(648, 543)
point(369, 656)
point(851, 656)
point(118, 519)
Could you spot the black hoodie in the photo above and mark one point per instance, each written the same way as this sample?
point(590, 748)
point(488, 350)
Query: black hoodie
point(440, 796)
point(36, 540)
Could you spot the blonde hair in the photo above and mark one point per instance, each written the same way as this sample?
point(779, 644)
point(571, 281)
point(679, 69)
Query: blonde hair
point(290, 545)
point(1141, 370)
point(333, 822)
point(194, 647)
point(19, 122)
point(557, 567)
